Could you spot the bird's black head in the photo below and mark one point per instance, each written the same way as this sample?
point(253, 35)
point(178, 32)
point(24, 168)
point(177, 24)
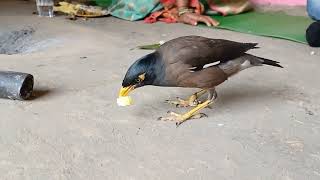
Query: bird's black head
point(141, 73)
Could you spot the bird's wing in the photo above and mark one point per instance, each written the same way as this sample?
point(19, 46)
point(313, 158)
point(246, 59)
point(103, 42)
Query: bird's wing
point(197, 51)
point(204, 79)
point(181, 75)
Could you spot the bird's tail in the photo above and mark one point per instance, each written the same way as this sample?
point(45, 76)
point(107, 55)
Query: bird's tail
point(244, 62)
point(252, 46)
point(256, 61)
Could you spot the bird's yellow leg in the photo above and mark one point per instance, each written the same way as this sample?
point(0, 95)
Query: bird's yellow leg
point(192, 114)
point(191, 101)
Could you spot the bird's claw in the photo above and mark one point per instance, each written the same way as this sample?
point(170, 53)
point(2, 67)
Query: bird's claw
point(184, 103)
point(199, 116)
point(172, 116)
point(180, 118)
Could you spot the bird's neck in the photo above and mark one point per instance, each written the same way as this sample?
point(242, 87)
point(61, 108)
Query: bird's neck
point(157, 70)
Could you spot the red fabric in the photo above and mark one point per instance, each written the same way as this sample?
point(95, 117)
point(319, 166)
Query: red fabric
point(167, 1)
point(170, 12)
point(163, 15)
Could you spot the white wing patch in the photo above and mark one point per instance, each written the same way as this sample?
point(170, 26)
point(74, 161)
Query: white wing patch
point(192, 69)
point(211, 64)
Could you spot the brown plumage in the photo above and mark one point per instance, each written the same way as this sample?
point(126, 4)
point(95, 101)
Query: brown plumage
point(193, 62)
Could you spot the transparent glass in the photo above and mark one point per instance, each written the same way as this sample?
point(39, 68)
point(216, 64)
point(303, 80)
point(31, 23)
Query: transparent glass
point(45, 8)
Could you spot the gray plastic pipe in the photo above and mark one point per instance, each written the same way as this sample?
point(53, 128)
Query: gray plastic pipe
point(15, 85)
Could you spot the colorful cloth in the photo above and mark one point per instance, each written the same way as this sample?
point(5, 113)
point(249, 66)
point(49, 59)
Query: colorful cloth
point(170, 12)
point(133, 10)
point(223, 7)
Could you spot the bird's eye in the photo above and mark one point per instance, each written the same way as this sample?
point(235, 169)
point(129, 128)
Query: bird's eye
point(138, 80)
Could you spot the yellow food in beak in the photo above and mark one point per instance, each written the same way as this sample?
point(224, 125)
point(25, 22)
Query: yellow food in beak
point(124, 99)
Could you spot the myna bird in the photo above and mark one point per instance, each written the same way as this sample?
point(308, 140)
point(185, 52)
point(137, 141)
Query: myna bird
point(192, 62)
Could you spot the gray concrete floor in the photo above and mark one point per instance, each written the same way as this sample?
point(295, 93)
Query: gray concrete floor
point(265, 124)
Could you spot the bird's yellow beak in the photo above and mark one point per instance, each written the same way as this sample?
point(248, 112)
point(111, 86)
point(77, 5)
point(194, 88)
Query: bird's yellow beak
point(124, 91)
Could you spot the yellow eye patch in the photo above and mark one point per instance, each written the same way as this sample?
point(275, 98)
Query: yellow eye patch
point(142, 76)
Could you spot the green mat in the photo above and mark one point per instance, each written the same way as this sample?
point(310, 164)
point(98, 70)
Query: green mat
point(103, 3)
point(271, 24)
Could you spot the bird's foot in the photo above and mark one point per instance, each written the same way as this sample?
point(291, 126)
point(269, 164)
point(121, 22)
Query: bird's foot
point(179, 119)
point(192, 101)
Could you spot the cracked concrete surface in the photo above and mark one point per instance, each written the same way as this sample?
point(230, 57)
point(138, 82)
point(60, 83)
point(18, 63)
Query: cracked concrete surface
point(265, 124)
